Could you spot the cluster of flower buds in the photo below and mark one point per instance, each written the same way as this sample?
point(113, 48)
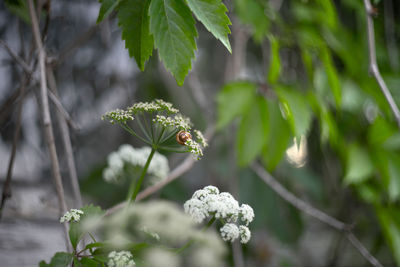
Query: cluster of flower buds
point(73, 215)
point(120, 259)
point(160, 123)
point(209, 202)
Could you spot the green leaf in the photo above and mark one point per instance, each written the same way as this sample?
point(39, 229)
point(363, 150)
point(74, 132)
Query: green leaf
point(107, 6)
point(277, 139)
point(212, 14)
point(391, 229)
point(233, 100)
point(95, 245)
point(252, 132)
point(43, 264)
point(252, 12)
point(394, 177)
point(359, 165)
point(174, 31)
point(297, 110)
point(275, 62)
point(89, 262)
point(60, 259)
point(333, 78)
point(75, 234)
point(134, 21)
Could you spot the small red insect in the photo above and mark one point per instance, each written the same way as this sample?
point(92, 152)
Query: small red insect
point(182, 137)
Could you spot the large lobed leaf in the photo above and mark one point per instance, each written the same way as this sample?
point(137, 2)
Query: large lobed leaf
point(134, 21)
point(107, 6)
point(174, 31)
point(212, 14)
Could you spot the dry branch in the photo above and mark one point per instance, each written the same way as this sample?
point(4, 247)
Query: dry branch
point(314, 212)
point(48, 130)
point(373, 65)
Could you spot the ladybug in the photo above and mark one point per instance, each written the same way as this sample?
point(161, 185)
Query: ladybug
point(182, 137)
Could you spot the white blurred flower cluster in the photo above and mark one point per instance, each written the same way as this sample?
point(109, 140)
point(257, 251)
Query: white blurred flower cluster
point(164, 223)
point(209, 202)
point(72, 215)
point(120, 259)
point(119, 161)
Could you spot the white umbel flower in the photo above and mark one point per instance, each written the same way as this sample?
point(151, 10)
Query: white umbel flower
point(120, 259)
point(210, 202)
point(73, 215)
point(196, 209)
point(229, 232)
point(128, 155)
point(246, 214)
point(244, 233)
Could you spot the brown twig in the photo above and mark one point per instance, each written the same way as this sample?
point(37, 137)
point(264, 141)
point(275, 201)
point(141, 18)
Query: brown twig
point(63, 112)
point(48, 130)
point(17, 58)
point(373, 65)
point(62, 124)
point(7, 184)
point(314, 212)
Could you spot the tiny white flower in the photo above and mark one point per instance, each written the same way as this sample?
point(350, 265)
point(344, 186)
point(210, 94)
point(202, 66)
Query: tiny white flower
point(200, 138)
point(229, 232)
point(212, 189)
point(244, 233)
point(246, 214)
point(200, 194)
point(120, 259)
point(72, 215)
point(196, 209)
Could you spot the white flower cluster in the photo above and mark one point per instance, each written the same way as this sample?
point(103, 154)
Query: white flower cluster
point(72, 215)
point(200, 138)
point(127, 154)
point(223, 206)
point(178, 121)
point(153, 106)
point(194, 148)
point(120, 259)
point(117, 115)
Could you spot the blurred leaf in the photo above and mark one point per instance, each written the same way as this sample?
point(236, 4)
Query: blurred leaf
point(328, 13)
point(252, 132)
point(275, 61)
point(368, 193)
point(174, 32)
point(278, 137)
point(89, 262)
point(60, 259)
point(333, 78)
point(308, 63)
point(212, 14)
point(107, 6)
point(134, 22)
point(251, 12)
point(380, 131)
point(359, 165)
point(297, 110)
point(233, 100)
point(394, 175)
point(282, 220)
point(391, 228)
point(19, 8)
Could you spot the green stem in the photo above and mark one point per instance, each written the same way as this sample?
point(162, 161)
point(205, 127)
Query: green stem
point(143, 129)
point(165, 148)
point(168, 136)
point(128, 129)
point(191, 241)
point(135, 186)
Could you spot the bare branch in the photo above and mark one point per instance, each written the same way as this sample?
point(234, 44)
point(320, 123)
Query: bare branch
point(314, 212)
point(62, 123)
point(62, 110)
point(49, 136)
point(7, 184)
point(17, 58)
point(373, 65)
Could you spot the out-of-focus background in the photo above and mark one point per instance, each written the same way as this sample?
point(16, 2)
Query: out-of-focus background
point(308, 58)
